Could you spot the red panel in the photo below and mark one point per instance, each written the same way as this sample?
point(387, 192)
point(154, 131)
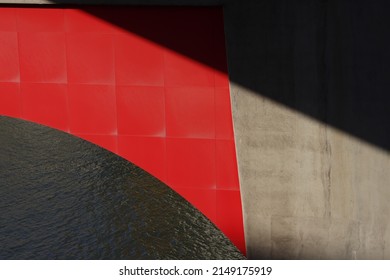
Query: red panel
point(229, 219)
point(227, 177)
point(40, 20)
point(190, 112)
point(42, 57)
point(223, 115)
point(7, 19)
point(203, 200)
point(147, 83)
point(92, 109)
point(148, 153)
point(191, 163)
point(108, 142)
point(10, 100)
point(138, 61)
point(9, 57)
point(82, 21)
point(45, 104)
point(90, 58)
point(183, 71)
point(221, 79)
point(141, 111)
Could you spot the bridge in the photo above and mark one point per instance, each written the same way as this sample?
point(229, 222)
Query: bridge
point(303, 83)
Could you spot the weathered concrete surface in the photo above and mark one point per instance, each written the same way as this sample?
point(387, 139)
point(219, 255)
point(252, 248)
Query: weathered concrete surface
point(309, 87)
point(309, 191)
point(309, 97)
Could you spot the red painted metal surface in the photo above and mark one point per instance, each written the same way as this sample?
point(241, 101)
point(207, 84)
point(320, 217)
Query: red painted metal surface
point(149, 84)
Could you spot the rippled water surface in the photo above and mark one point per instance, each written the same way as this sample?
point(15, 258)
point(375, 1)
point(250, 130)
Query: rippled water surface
point(64, 198)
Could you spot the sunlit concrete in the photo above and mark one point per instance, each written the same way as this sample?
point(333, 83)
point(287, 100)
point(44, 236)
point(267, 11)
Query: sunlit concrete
point(310, 191)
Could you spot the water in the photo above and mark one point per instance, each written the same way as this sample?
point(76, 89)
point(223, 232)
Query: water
point(64, 198)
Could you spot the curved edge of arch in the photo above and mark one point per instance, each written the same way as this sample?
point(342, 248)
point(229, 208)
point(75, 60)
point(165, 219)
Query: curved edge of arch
point(96, 145)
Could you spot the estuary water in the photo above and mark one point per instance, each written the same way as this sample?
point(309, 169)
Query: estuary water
point(64, 198)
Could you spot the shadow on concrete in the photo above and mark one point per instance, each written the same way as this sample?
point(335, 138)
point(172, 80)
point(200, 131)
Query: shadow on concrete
point(328, 59)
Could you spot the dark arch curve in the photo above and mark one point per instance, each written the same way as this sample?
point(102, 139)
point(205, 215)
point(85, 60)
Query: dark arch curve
point(63, 198)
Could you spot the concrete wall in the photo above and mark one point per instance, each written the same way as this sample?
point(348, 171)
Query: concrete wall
point(310, 105)
point(309, 88)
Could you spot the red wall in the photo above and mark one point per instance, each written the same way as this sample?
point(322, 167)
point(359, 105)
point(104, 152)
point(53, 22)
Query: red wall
point(149, 84)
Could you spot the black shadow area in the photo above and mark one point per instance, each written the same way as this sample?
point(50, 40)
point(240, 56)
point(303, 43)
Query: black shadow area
point(328, 59)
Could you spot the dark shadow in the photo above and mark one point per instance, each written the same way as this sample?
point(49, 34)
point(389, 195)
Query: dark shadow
point(328, 59)
point(196, 35)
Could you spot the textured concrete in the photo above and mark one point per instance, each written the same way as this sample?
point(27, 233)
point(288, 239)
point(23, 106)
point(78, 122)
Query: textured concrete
point(309, 97)
point(309, 87)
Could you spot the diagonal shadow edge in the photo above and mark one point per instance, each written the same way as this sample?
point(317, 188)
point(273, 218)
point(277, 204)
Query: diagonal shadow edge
point(310, 57)
point(325, 59)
